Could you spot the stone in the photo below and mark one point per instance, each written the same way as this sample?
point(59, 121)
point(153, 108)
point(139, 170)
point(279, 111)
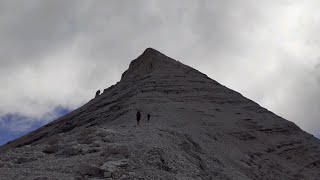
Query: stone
point(41, 156)
point(70, 151)
point(28, 146)
point(113, 165)
point(10, 165)
point(40, 178)
point(50, 149)
point(25, 160)
point(114, 150)
point(56, 139)
point(78, 178)
point(89, 150)
point(96, 144)
point(104, 132)
point(108, 139)
point(86, 169)
point(132, 174)
point(107, 174)
point(84, 150)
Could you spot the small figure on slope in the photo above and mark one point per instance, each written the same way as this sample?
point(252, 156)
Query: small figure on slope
point(98, 93)
point(148, 117)
point(138, 118)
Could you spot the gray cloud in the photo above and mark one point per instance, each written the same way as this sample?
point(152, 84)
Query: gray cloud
point(59, 52)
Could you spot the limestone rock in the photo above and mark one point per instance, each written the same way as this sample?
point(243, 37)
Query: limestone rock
point(115, 150)
point(70, 151)
point(107, 174)
point(54, 140)
point(25, 160)
point(86, 169)
point(112, 165)
point(50, 149)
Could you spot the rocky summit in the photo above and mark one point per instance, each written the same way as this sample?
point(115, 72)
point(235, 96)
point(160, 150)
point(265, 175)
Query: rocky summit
point(198, 129)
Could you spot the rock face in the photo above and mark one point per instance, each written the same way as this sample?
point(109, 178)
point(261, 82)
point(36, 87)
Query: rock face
point(199, 130)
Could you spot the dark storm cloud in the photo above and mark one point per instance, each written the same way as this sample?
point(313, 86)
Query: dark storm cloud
point(54, 52)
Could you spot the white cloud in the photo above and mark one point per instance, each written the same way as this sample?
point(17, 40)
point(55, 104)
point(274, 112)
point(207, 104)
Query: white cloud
point(59, 52)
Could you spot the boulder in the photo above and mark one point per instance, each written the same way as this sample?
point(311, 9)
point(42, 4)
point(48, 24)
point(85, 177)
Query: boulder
point(111, 166)
point(108, 139)
point(96, 144)
point(132, 174)
point(115, 150)
point(89, 150)
point(107, 174)
point(70, 151)
point(9, 165)
point(86, 169)
point(50, 149)
point(88, 136)
point(25, 160)
point(155, 157)
point(56, 139)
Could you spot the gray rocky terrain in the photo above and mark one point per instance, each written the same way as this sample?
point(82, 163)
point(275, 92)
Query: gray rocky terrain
point(199, 129)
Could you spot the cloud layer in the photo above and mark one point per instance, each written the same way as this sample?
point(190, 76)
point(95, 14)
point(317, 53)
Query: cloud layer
point(58, 53)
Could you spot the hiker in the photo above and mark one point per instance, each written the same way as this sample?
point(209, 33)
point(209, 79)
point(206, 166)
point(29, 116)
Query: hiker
point(98, 93)
point(148, 117)
point(138, 118)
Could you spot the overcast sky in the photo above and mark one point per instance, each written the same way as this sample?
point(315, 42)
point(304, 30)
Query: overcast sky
point(57, 53)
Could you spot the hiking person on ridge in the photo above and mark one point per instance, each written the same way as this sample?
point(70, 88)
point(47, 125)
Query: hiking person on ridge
point(138, 118)
point(148, 117)
point(98, 93)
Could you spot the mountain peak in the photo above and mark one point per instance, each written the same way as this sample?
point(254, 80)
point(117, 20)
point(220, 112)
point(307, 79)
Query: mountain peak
point(149, 61)
point(151, 51)
point(154, 55)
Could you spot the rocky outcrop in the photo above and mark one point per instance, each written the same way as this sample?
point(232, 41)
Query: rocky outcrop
point(54, 144)
point(90, 170)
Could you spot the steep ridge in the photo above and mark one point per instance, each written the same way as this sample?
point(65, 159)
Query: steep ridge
point(199, 129)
